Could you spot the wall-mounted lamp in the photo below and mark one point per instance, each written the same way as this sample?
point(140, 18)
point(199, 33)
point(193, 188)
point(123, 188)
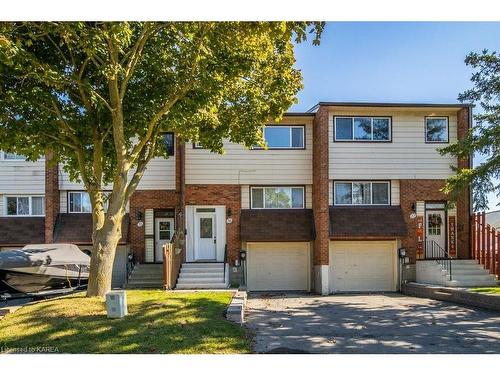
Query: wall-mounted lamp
point(413, 207)
point(229, 212)
point(138, 215)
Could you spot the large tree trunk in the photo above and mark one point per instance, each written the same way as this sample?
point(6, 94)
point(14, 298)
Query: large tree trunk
point(105, 241)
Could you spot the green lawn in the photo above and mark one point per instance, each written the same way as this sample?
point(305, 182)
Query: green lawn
point(158, 322)
point(492, 290)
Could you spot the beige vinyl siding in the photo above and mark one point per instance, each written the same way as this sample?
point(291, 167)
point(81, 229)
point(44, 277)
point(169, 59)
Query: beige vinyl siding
point(2, 208)
point(308, 196)
point(406, 157)
point(160, 174)
point(255, 167)
point(22, 177)
point(63, 201)
point(395, 200)
point(149, 223)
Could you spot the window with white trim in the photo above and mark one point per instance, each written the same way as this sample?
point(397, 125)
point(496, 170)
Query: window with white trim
point(79, 202)
point(277, 197)
point(362, 129)
point(24, 205)
point(351, 193)
point(284, 137)
point(436, 129)
point(9, 156)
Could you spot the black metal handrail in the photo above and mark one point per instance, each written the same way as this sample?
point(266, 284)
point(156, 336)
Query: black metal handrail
point(433, 251)
point(225, 261)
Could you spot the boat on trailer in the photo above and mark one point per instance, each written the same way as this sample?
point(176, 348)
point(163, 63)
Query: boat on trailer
point(45, 266)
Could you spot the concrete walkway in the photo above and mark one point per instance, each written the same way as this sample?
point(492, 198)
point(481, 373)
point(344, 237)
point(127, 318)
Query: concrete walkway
point(390, 323)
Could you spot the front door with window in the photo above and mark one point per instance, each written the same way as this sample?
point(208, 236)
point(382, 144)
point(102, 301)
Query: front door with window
point(205, 244)
point(164, 230)
point(435, 231)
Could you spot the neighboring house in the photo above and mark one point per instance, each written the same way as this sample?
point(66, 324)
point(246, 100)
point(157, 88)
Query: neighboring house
point(493, 218)
point(326, 207)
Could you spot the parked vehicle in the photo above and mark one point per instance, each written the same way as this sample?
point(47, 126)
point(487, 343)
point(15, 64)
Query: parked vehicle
point(45, 266)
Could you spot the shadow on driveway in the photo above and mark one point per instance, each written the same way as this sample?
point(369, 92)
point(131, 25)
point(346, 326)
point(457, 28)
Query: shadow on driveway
point(368, 323)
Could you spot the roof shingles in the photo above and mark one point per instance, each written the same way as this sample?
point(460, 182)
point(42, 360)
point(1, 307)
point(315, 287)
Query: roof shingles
point(277, 225)
point(20, 231)
point(367, 222)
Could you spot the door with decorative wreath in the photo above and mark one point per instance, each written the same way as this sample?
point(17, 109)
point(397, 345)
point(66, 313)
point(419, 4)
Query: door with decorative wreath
point(435, 231)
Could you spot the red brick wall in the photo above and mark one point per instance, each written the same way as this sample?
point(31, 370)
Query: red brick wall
point(320, 186)
point(412, 191)
point(51, 198)
point(227, 195)
point(139, 202)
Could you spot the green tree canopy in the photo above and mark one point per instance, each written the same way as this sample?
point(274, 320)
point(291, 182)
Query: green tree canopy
point(484, 138)
point(98, 95)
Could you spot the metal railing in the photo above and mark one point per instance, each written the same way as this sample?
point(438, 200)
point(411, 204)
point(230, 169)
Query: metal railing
point(433, 251)
point(225, 261)
point(172, 262)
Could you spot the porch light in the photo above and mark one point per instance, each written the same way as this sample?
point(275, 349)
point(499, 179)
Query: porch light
point(413, 207)
point(138, 215)
point(243, 254)
point(229, 212)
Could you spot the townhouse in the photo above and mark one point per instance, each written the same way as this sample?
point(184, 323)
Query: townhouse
point(327, 207)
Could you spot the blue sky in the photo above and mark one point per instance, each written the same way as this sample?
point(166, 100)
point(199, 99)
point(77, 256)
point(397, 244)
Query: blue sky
point(393, 62)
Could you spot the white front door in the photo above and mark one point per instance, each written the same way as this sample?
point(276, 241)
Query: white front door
point(205, 238)
point(164, 230)
point(435, 231)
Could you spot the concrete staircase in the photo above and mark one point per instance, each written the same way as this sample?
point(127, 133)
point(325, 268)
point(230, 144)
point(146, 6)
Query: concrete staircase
point(464, 273)
point(202, 276)
point(146, 276)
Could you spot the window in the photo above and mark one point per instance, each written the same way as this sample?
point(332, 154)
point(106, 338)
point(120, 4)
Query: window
point(361, 193)
point(277, 197)
point(279, 137)
point(79, 202)
point(24, 206)
point(10, 156)
point(372, 129)
point(197, 145)
point(169, 142)
point(436, 129)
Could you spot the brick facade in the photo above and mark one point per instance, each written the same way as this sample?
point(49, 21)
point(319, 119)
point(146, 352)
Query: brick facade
point(227, 195)
point(51, 197)
point(149, 199)
point(412, 191)
point(320, 187)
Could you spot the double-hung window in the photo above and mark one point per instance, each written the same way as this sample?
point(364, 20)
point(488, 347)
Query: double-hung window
point(284, 136)
point(24, 205)
point(436, 129)
point(277, 197)
point(361, 193)
point(362, 129)
point(79, 202)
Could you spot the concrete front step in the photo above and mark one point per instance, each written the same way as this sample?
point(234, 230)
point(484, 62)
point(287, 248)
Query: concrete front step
point(203, 264)
point(201, 275)
point(202, 286)
point(201, 280)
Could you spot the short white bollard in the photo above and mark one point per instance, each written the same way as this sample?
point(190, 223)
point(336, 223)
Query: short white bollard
point(116, 304)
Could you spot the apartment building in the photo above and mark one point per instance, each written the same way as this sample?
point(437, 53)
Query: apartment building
point(327, 207)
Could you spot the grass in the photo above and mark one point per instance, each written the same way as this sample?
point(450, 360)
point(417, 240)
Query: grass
point(158, 322)
point(492, 290)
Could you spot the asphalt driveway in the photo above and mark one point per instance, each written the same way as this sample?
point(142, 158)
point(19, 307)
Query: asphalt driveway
point(388, 323)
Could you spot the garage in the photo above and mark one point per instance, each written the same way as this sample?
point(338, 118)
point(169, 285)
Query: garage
point(273, 266)
point(363, 266)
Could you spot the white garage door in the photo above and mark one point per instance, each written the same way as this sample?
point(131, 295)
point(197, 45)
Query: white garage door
point(362, 266)
point(278, 266)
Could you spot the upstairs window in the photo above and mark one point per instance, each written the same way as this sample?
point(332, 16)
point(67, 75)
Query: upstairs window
point(361, 193)
point(284, 137)
point(277, 197)
point(436, 130)
point(25, 206)
point(79, 202)
point(169, 143)
point(10, 156)
point(362, 129)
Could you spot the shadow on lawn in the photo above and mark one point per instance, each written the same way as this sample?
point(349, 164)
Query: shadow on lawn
point(349, 324)
point(170, 324)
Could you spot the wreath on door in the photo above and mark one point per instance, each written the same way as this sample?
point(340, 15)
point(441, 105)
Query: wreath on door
point(435, 220)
